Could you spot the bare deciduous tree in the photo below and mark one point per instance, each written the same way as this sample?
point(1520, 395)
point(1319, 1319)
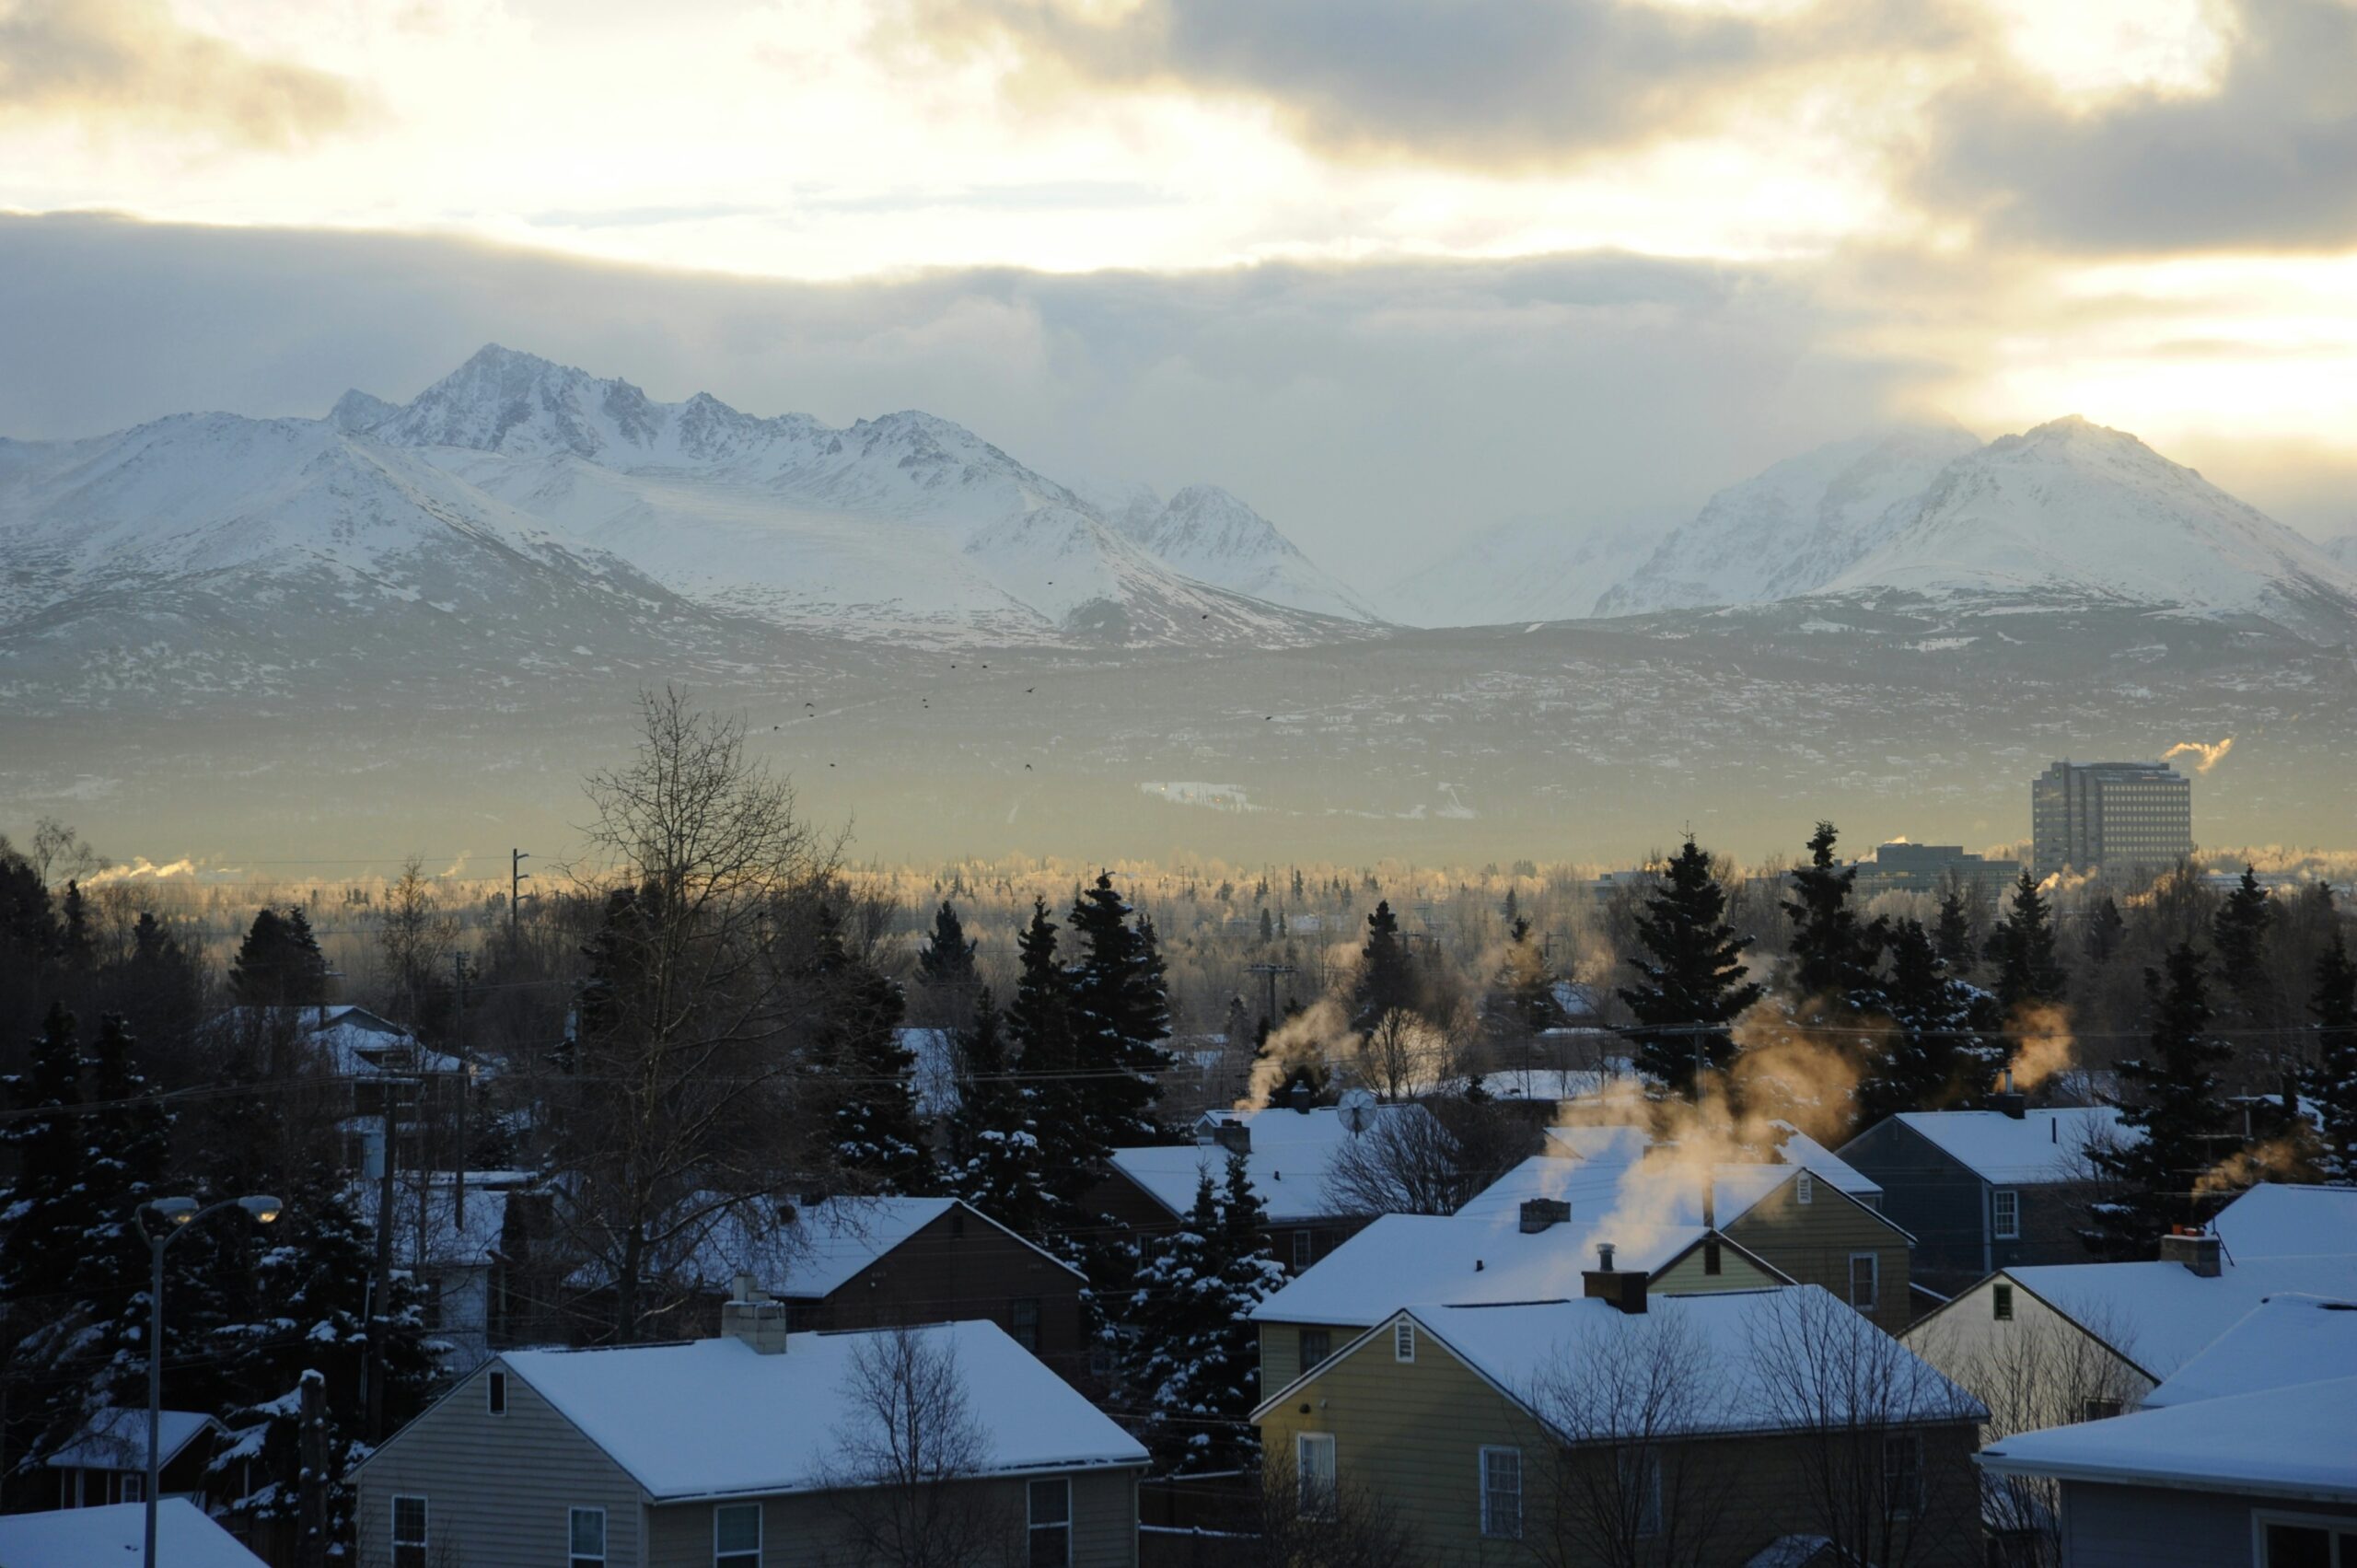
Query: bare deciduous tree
point(1427, 1158)
point(1400, 1054)
point(412, 936)
point(59, 854)
point(2033, 1373)
point(903, 1483)
point(681, 1107)
point(1862, 1410)
point(1348, 1528)
point(1625, 1489)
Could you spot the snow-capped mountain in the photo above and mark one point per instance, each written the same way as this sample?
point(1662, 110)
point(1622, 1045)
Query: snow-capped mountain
point(906, 525)
point(1524, 569)
point(2343, 550)
point(2072, 511)
point(1214, 538)
point(1793, 528)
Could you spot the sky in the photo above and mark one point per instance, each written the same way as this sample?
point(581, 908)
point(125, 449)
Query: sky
point(1392, 270)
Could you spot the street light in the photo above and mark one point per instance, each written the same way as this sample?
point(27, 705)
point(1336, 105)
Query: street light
point(159, 1222)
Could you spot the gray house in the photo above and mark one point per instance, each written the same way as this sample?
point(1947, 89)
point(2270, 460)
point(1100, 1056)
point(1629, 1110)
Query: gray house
point(757, 1449)
point(1982, 1190)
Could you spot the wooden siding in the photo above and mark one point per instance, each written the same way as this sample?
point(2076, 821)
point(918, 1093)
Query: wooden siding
point(959, 1268)
point(1813, 1243)
point(2141, 1527)
point(1410, 1435)
point(1966, 1336)
point(807, 1531)
point(1280, 1349)
point(499, 1489)
point(1685, 1276)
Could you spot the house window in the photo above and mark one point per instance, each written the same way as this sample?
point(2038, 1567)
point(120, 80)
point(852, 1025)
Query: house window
point(1301, 1249)
point(1317, 1345)
point(409, 1532)
point(2306, 1541)
point(1501, 1492)
point(1313, 1463)
point(133, 1488)
point(588, 1537)
point(1404, 1339)
point(1805, 1188)
point(1711, 1259)
point(1865, 1279)
point(2104, 1410)
point(1641, 1479)
point(495, 1393)
point(2000, 1302)
point(737, 1536)
point(1051, 1523)
point(2005, 1206)
point(1902, 1474)
point(1024, 1315)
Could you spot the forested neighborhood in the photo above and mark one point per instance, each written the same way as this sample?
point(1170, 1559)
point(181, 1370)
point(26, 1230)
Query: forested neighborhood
point(719, 1198)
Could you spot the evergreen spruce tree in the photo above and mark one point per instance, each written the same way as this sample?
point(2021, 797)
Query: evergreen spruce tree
point(1386, 977)
point(1190, 1319)
point(994, 1148)
point(2173, 1096)
point(49, 1212)
point(1525, 982)
point(1689, 984)
point(1120, 1015)
point(1952, 934)
point(2106, 929)
point(127, 1148)
point(946, 965)
point(279, 963)
point(1940, 1050)
point(2331, 1084)
point(2238, 939)
point(1834, 953)
point(78, 947)
point(314, 1271)
point(2022, 948)
point(1040, 1030)
point(856, 1040)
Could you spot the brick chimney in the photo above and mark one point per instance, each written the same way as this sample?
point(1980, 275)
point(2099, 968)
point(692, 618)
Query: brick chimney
point(1625, 1290)
point(2195, 1250)
point(750, 1315)
point(1539, 1214)
point(1299, 1098)
point(1235, 1137)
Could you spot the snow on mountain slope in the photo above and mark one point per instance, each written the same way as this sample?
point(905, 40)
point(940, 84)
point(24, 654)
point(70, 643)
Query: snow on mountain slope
point(2343, 550)
point(1791, 529)
point(905, 525)
point(1213, 537)
point(2074, 510)
point(1525, 569)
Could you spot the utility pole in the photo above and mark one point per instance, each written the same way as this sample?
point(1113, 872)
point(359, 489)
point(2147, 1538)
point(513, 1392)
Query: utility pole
point(311, 1546)
point(516, 875)
point(466, 1082)
point(1269, 973)
point(382, 1292)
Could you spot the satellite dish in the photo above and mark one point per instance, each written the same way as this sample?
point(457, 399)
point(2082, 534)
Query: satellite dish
point(1357, 1106)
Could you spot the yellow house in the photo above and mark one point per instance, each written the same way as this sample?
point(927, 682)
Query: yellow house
point(1621, 1426)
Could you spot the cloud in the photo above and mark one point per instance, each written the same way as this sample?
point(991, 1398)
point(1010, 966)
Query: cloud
point(118, 62)
point(1470, 82)
point(2264, 159)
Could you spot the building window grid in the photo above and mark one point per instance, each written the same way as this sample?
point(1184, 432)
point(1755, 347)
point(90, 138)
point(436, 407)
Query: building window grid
point(1050, 1517)
point(1023, 1318)
point(1641, 1475)
point(1902, 1474)
point(1317, 1345)
point(2005, 1210)
point(2000, 1302)
point(1314, 1474)
point(737, 1536)
point(409, 1532)
point(585, 1536)
point(1502, 1493)
point(1865, 1280)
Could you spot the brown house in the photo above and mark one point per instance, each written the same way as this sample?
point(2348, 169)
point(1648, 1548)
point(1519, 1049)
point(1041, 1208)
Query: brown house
point(1618, 1426)
point(107, 1461)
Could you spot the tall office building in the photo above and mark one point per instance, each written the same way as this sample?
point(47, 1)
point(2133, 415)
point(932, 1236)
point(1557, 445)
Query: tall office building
point(2118, 817)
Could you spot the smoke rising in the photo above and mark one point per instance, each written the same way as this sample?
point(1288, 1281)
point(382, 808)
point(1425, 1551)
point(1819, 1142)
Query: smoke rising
point(1321, 1037)
point(2211, 756)
point(2048, 1046)
point(140, 870)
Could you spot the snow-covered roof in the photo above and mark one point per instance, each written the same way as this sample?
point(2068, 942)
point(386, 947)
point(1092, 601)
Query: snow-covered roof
point(353, 1042)
point(1795, 1552)
point(1622, 1145)
point(716, 1416)
point(117, 1439)
point(1798, 1148)
point(1637, 1193)
point(2297, 1442)
point(77, 1538)
point(2278, 1220)
point(1290, 1151)
point(2161, 1315)
point(1738, 1343)
point(2040, 1146)
point(1554, 1083)
point(837, 1237)
point(1467, 1258)
point(2282, 1341)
